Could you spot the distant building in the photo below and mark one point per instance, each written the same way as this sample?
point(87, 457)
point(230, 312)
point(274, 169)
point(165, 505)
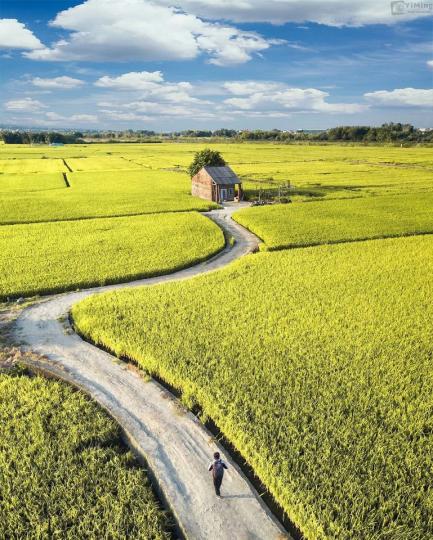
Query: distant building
point(57, 144)
point(217, 184)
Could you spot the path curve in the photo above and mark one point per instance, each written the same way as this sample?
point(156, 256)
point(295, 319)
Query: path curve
point(175, 445)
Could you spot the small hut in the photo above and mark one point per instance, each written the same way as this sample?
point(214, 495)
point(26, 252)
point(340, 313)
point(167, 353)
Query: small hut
point(217, 184)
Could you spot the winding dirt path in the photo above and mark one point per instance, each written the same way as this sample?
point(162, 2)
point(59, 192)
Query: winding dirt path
point(175, 445)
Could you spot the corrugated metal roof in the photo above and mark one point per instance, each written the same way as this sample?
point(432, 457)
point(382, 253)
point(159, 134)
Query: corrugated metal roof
point(222, 175)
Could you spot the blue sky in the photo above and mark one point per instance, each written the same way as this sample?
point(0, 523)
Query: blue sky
point(206, 64)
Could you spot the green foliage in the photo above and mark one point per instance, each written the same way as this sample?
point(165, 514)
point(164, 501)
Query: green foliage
point(283, 226)
point(53, 257)
point(315, 363)
point(203, 158)
point(41, 137)
point(65, 472)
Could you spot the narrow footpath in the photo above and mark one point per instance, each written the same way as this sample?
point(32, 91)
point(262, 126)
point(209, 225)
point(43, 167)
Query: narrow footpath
point(175, 445)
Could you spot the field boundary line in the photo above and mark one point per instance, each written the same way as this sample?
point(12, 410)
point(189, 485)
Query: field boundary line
point(65, 163)
point(354, 241)
point(65, 178)
point(135, 214)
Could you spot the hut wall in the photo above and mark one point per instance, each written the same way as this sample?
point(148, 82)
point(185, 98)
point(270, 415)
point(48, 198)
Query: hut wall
point(202, 185)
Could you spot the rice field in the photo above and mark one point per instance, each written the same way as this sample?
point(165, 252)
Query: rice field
point(65, 472)
point(41, 258)
point(314, 171)
point(97, 194)
point(31, 165)
point(72, 217)
point(315, 363)
point(295, 225)
point(30, 182)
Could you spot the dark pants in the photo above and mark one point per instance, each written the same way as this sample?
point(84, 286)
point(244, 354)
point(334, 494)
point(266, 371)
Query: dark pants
point(217, 481)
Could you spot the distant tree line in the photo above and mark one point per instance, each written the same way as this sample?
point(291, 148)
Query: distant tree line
point(392, 132)
point(386, 133)
point(41, 137)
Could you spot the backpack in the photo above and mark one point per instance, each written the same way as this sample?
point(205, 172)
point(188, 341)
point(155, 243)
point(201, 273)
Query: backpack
point(217, 469)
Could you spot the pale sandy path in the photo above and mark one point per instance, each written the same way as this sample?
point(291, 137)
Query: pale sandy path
point(175, 445)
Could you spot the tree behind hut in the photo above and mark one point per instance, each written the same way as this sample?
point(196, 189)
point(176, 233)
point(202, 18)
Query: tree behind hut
point(206, 157)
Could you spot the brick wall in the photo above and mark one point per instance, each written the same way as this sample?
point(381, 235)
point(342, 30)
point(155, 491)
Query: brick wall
point(202, 185)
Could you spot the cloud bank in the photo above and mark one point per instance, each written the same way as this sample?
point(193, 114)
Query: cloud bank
point(24, 105)
point(402, 97)
point(107, 30)
point(328, 12)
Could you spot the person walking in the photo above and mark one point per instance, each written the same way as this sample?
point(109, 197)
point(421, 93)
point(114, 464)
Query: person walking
point(217, 467)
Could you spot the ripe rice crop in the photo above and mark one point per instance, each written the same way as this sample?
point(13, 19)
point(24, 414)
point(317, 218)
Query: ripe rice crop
point(25, 166)
point(290, 225)
point(100, 163)
point(109, 193)
point(10, 183)
point(125, 179)
point(65, 472)
point(52, 257)
point(315, 363)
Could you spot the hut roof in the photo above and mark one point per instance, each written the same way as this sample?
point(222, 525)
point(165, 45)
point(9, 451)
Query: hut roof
point(222, 175)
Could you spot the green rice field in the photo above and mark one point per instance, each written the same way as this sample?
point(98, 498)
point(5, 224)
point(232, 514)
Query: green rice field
point(74, 217)
point(40, 258)
point(315, 364)
point(65, 472)
point(293, 225)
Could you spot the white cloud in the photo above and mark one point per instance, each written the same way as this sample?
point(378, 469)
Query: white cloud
point(123, 116)
point(144, 96)
point(15, 35)
point(84, 118)
point(275, 97)
point(75, 118)
point(57, 82)
point(106, 30)
point(26, 105)
point(228, 46)
point(142, 80)
point(401, 97)
point(249, 98)
point(329, 12)
point(430, 64)
point(245, 88)
point(149, 85)
point(55, 117)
